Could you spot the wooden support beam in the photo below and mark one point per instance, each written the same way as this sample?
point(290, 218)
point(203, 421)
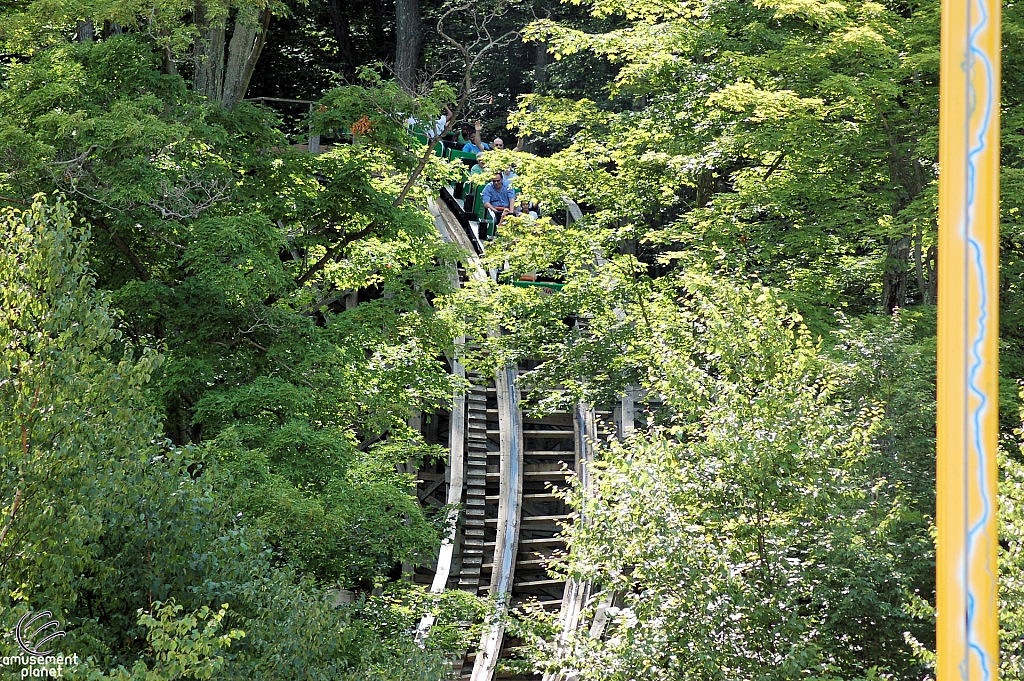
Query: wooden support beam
point(576, 593)
point(509, 510)
point(628, 414)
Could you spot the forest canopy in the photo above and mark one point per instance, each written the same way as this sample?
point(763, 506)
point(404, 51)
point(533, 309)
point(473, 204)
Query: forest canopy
point(231, 328)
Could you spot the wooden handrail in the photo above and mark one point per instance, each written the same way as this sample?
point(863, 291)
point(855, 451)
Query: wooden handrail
point(279, 99)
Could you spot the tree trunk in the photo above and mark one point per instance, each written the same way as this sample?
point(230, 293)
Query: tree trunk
point(919, 262)
point(908, 180)
point(931, 265)
point(540, 79)
point(170, 68)
point(243, 52)
point(705, 188)
point(342, 36)
point(84, 31)
point(541, 59)
point(111, 29)
point(250, 65)
point(209, 52)
point(409, 33)
point(925, 266)
point(540, 66)
point(894, 281)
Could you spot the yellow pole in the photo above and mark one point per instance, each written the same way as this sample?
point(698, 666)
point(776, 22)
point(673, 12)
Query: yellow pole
point(968, 622)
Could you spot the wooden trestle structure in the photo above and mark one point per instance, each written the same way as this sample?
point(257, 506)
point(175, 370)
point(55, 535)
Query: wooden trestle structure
point(504, 474)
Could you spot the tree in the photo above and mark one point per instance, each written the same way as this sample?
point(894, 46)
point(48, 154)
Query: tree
point(185, 31)
point(409, 34)
point(749, 155)
point(762, 524)
point(101, 517)
point(1011, 566)
point(238, 261)
point(226, 78)
point(732, 111)
point(129, 540)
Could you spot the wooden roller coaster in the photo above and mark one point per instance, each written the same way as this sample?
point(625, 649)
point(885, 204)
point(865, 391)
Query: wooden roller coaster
point(502, 478)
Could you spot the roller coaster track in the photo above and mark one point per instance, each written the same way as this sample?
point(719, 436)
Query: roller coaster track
point(505, 472)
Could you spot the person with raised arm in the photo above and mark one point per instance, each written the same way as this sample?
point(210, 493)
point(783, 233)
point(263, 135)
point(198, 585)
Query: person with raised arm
point(499, 144)
point(474, 145)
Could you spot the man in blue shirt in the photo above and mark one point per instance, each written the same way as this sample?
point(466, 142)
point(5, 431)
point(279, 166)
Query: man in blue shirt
point(473, 144)
point(499, 197)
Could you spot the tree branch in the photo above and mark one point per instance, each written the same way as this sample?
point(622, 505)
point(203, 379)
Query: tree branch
point(331, 253)
point(21, 483)
point(774, 166)
point(137, 265)
point(10, 520)
point(279, 361)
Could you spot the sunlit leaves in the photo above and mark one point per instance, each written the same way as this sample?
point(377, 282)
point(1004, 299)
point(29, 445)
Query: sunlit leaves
point(758, 531)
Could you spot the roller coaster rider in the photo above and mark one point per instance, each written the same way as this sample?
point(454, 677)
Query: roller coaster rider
point(499, 197)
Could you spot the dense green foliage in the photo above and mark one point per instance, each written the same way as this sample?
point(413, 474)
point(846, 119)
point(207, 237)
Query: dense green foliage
point(244, 451)
point(765, 529)
point(782, 145)
point(194, 213)
point(105, 520)
point(214, 343)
